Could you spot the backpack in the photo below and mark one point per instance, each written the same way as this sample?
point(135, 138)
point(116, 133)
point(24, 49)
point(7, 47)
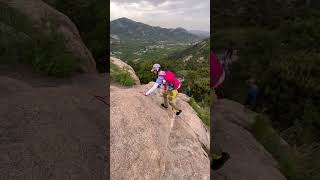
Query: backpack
point(171, 81)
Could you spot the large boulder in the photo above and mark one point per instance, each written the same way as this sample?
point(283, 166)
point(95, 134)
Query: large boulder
point(149, 142)
point(41, 12)
point(122, 65)
point(53, 132)
point(231, 133)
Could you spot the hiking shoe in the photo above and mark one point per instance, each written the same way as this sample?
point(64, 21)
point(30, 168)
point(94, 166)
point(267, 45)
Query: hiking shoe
point(164, 106)
point(177, 113)
point(218, 163)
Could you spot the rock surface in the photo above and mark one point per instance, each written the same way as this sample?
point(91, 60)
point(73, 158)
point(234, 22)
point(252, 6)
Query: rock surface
point(150, 142)
point(249, 160)
point(39, 12)
point(52, 132)
point(123, 65)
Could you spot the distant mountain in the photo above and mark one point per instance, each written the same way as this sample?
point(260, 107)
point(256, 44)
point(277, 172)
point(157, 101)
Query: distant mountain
point(204, 34)
point(127, 29)
point(197, 53)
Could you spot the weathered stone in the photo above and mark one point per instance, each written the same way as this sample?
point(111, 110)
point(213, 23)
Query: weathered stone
point(124, 66)
point(231, 133)
point(41, 12)
point(150, 142)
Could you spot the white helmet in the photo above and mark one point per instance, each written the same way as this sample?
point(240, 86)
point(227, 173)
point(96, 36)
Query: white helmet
point(155, 67)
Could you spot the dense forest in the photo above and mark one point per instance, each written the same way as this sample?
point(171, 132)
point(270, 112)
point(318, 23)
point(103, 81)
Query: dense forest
point(277, 43)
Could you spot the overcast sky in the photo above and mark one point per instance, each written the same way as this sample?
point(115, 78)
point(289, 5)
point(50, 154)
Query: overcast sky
point(188, 14)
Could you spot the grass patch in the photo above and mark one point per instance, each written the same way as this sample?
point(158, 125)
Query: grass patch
point(202, 112)
point(269, 138)
point(121, 76)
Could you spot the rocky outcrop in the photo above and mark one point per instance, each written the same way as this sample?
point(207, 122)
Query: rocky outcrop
point(53, 132)
point(150, 142)
point(41, 12)
point(231, 133)
point(124, 66)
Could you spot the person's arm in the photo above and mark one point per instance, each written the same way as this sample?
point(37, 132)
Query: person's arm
point(154, 87)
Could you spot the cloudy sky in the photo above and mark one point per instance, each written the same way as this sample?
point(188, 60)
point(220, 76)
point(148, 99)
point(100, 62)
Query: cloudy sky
point(188, 14)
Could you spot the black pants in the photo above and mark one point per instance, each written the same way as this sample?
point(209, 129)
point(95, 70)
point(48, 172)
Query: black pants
point(250, 102)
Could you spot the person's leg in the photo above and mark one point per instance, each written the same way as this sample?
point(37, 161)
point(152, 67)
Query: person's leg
point(213, 97)
point(165, 99)
point(172, 101)
point(253, 103)
point(219, 93)
point(250, 102)
point(246, 101)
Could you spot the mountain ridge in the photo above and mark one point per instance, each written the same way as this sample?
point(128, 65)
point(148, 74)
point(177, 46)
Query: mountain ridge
point(200, 33)
point(129, 29)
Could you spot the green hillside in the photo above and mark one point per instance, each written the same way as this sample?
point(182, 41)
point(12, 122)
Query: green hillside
point(278, 45)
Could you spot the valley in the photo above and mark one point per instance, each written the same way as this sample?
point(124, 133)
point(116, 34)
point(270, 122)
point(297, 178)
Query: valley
point(131, 40)
point(178, 50)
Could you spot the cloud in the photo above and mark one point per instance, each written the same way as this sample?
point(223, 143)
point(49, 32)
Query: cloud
point(189, 14)
point(155, 2)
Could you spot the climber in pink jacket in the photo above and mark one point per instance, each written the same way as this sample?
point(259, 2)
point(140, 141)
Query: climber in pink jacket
point(171, 86)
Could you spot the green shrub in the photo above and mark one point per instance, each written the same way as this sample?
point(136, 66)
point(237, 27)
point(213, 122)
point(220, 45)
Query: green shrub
point(51, 57)
point(202, 112)
point(269, 138)
point(121, 76)
point(59, 66)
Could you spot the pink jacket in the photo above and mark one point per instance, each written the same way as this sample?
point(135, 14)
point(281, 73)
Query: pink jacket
point(170, 78)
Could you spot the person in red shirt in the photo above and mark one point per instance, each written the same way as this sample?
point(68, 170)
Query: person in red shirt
point(217, 75)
